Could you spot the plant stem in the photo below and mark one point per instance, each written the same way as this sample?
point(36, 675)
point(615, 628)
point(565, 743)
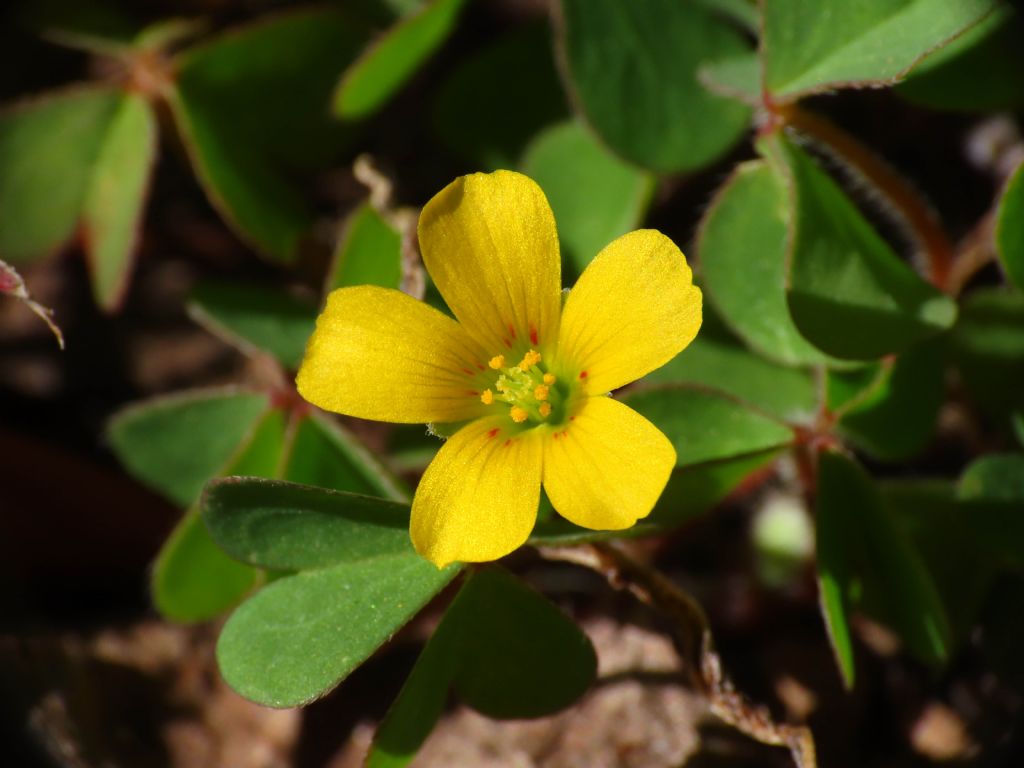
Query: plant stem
point(693, 637)
point(921, 220)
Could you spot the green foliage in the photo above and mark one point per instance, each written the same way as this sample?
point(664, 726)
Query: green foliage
point(595, 196)
point(246, 123)
point(391, 60)
point(193, 579)
point(864, 561)
point(345, 613)
point(175, 444)
point(842, 275)
point(115, 197)
point(633, 70)
point(255, 318)
point(813, 47)
point(704, 425)
point(369, 252)
point(982, 69)
point(507, 651)
point(48, 147)
point(495, 101)
point(290, 527)
point(988, 350)
point(1010, 229)
point(749, 287)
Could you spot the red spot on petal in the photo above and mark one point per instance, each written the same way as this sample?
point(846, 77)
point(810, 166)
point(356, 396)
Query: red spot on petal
point(472, 393)
point(508, 442)
point(533, 335)
point(466, 371)
point(511, 330)
point(554, 435)
point(507, 342)
point(572, 418)
point(583, 374)
point(480, 367)
point(492, 432)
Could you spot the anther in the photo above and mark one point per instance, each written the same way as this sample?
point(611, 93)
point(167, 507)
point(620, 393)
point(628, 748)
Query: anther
point(541, 392)
point(487, 397)
point(530, 359)
point(549, 379)
point(545, 410)
point(498, 361)
point(518, 414)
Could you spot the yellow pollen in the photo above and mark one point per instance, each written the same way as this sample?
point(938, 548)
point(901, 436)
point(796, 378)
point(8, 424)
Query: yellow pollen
point(518, 414)
point(549, 379)
point(541, 392)
point(530, 359)
point(498, 361)
point(487, 397)
point(545, 410)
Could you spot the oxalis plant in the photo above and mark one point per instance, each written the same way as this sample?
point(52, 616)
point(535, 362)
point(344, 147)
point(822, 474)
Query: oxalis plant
point(581, 387)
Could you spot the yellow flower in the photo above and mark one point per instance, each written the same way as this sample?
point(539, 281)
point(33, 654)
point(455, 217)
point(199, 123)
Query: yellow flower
point(527, 375)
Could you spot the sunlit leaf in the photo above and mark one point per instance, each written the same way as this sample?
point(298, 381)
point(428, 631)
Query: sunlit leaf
point(849, 294)
point(1010, 228)
point(812, 47)
point(369, 252)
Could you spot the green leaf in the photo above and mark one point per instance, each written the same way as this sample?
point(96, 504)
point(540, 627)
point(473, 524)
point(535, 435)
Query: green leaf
point(705, 426)
point(300, 636)
point(595, 196)
point(893, 418)
point(175, 444)
point(742, 249)
point(193, 580)
point(716, 359)
point(508, 651)
point(981, 70)
point(737, 77)
point(865, 561)
point(988, 350)
point(849, 294)
point(48, 146)
point(941, 529)
point(116, 196)
point(291, 527)
point(255, 318)
point(815, 47)
point(1010, 228)
point(632, 68)
point(497, 100)
point(327, 455)
point(387, 64)
point(994, 486)
point(251, 106)
point(699, 488)
point(369, 252)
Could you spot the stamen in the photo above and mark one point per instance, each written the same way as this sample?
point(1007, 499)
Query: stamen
point(549, 379)
point(518, 414)
point(541, 392)
point(529, 360)
point(498, 361)
point(545, 410)
point(487, 397)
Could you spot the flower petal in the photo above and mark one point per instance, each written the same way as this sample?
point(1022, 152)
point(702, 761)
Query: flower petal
point(607, 468)
point(633, 309)
point(379, 354)
point(489, 243)
point(478, 498)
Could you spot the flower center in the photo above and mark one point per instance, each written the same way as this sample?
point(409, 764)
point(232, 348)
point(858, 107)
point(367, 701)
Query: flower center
point(527, 388)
